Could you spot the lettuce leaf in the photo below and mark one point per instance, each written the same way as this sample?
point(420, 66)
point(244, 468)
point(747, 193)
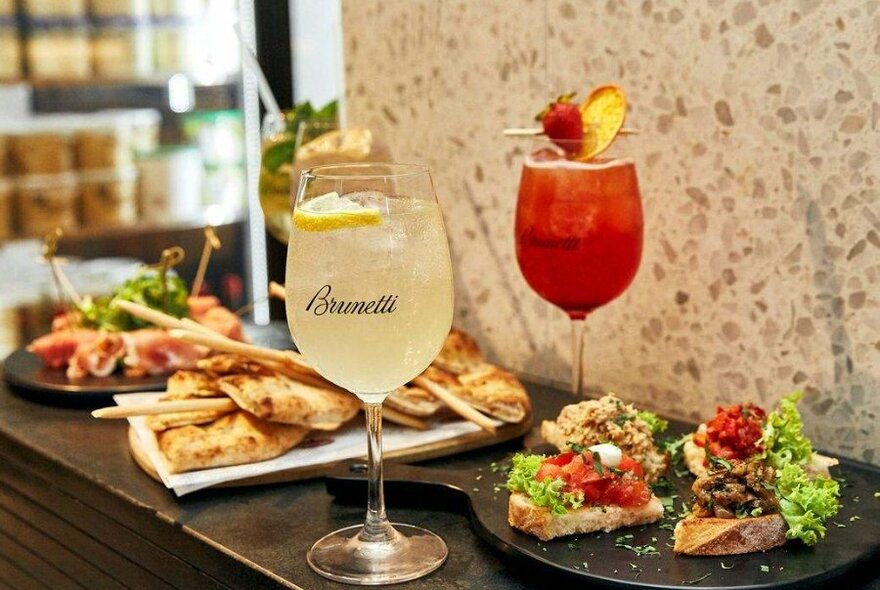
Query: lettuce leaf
point(654, 422)
point(144, 288)
point(547, 493)
point(806, 504)
point(783, 438)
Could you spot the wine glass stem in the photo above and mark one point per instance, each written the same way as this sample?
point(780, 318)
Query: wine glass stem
point(377, 529)
point(577, 355)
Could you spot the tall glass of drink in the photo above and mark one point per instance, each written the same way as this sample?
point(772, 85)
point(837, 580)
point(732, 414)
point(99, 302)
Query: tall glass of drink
point(578, 232)
point(369, 305)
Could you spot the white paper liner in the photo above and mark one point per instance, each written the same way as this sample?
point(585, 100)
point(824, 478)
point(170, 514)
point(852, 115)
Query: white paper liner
point(348, 442)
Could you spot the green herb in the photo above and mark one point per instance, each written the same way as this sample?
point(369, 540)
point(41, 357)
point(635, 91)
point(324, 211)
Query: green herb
point(573, 546)
point(783, 438)
point(666, 526)
point(547, 492)
point(576, 447)
point(854, 518)
point(623, 419)
point(640, 550)
point(806, 504)
point(668, 503)
point(662, 486)
point(839, 525)
point(654, 422)
point(877, 494)
point(724, 566)
point(697, 581)
point(144, 288)
point(597, 463)
point(765, 568)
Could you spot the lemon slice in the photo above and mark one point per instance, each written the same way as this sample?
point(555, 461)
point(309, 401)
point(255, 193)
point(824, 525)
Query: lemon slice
point(330, 212)
point(603, 114)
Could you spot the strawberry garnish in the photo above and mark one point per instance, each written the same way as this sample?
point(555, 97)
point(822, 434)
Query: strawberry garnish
point(563, 123)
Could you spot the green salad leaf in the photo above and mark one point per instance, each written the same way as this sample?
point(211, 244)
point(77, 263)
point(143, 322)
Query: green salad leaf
point(806, 504)
point(783, 438)
point(144, 288)
point(654, 422)
point(547, 493)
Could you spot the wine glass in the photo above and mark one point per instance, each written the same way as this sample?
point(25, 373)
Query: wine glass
point(280, 141)
point(369, 305)
point(578, 232)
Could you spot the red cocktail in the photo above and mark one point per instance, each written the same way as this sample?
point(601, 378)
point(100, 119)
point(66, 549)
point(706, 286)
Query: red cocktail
point(578, 231)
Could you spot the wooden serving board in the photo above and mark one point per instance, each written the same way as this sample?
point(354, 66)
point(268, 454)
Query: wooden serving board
point(433, 450)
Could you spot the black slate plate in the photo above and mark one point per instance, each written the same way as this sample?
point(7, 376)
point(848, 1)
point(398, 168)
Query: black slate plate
point(852, 539)
point(24, 369)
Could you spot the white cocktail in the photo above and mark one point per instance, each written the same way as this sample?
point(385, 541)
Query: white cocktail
point(369, 305)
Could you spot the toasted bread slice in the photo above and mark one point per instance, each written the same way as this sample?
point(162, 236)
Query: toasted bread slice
point(729, 536)
point(695, 459)
point(524, 515)
point(607, 419)
point(694, 456)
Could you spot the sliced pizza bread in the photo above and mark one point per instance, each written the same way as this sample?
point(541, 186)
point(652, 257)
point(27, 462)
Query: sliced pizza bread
point(231, 440)
point(280, 399)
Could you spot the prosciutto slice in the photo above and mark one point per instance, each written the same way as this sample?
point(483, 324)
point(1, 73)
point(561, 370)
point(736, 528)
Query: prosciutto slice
point(97, 358)
point(206, 310)
point(200, 304)
point(55, 349)
point(154, 352)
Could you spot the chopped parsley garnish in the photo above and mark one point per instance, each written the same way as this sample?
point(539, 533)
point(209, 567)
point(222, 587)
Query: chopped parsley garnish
point(640, 550)
point(666, 526)
point(661, 486)
point(576, 447)
point(855, 518)
point(724, 566)
point(597, 463)
point(765, 568)
point(697, 581)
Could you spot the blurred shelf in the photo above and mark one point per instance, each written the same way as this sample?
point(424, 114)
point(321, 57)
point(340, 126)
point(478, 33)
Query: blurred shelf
point(138, 231)
point(96, 94)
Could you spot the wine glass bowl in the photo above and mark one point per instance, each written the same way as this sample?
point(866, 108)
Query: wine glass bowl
point(579, 231)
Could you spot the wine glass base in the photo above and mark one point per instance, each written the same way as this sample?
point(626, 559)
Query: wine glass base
point(412, 553)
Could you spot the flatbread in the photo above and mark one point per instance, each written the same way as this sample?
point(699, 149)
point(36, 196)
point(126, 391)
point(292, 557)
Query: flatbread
point(231, 440)
point(233, 364)
point(160, 422)
point(189, 385)
point(496, 392)
point(460, 354)
point(280, 399)
point(414, 401)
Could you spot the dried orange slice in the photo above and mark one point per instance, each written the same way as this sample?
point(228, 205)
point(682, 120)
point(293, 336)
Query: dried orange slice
point(603, 113)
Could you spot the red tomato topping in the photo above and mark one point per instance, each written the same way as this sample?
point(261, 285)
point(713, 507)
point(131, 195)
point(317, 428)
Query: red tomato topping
point(623, 486)
point(734, 433)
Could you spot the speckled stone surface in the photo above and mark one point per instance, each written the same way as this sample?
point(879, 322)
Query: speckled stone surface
point(759, 173)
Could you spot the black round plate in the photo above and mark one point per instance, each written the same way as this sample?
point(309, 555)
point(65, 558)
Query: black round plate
point(24, 369)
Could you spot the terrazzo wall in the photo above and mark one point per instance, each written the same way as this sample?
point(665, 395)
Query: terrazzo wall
point(758, 163)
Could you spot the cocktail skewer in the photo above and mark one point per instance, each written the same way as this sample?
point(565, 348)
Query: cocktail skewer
point(212, 242)
point(277, 291)
point(533, 131)
point(62, 283)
